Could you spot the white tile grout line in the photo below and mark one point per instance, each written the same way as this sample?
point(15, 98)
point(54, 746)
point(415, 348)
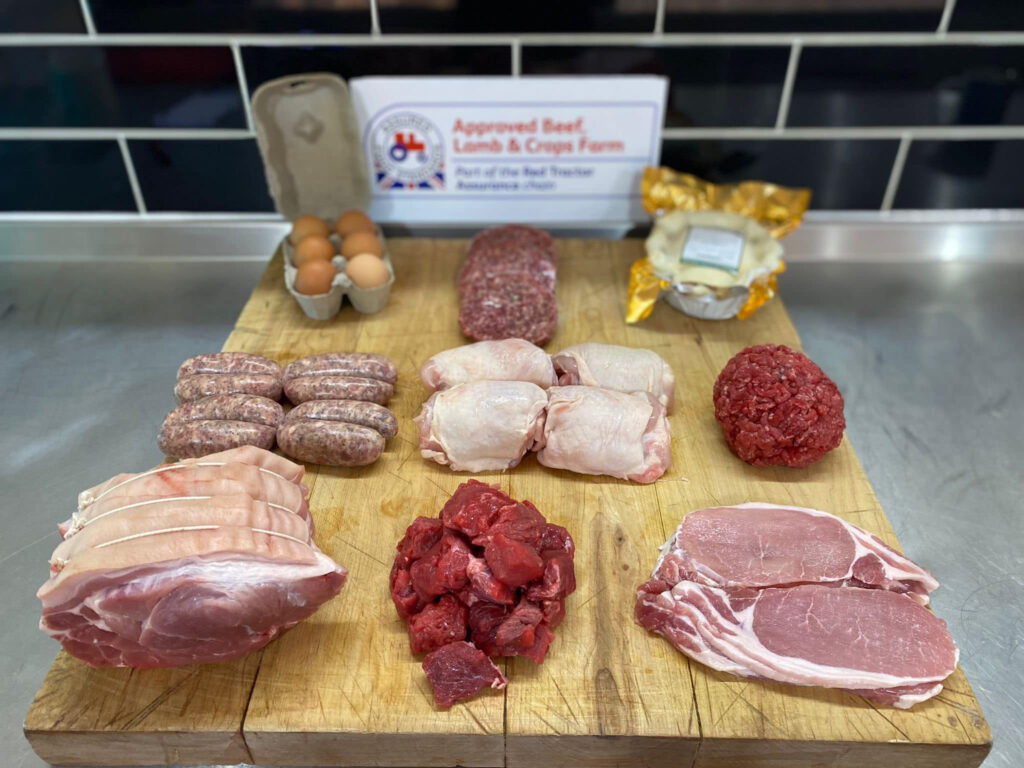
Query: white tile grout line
point(564, 39)
point(897, 172)
point(659, 19)
point(243, 85)
point(517, 57)
point(133, 180)
point(939, 132)
point(788, 84)
point(374, 18)
point(947, 16)
point(90, 26)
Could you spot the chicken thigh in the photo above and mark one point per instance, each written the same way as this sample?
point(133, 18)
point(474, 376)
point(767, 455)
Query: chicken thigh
point(598, 431)
point(506, 360)
point(482, 425)
point(623, 369)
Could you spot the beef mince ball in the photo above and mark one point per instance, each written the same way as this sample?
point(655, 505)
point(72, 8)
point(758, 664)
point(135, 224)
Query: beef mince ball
point(777, 408)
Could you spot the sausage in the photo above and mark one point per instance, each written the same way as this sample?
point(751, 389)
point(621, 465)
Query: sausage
point(201, 385)
point(235, 407)
point(229, 362)
point(303, 388)
point(360, 364)
point(192, 439)
point(352, 411)
point(335, 443)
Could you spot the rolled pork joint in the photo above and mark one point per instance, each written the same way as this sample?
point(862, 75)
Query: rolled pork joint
point(597, 431)
point(798, 596)
point(506, 360)
point(189, 563)
point(482, 425)
point(623, 369)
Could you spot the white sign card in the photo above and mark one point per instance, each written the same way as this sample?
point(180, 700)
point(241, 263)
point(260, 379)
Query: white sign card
point(454, 150)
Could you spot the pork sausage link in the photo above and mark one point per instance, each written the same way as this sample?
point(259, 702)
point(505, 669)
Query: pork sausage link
point(335, 443)
point(352, 411)
point(303, 388)
point(192, 439)
point(251, 408)
point(229, 362)
point(201, 385)
point(361, 364)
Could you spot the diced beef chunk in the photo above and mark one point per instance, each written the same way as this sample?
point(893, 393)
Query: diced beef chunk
point(513, 562)
point(438, 624)
point(459, 670)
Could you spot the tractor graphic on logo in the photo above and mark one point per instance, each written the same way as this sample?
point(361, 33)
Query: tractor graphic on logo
point(407, 151)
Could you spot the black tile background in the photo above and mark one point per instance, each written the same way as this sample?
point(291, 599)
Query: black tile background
point(987, 16)
point(909, 85)
point(63, 176)
point(275, 16)
point(962, 174)
point(709, 86)
point(804, 16)
point(201, 175)
point(843, 174)
point(51, 16)
point(481, 16)
point(262, 64)
point(119, 86)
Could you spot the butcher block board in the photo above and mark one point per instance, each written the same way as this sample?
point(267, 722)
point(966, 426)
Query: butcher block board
point(343, 689)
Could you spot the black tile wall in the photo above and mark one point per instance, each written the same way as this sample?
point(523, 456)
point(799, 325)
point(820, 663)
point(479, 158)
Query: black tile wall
point(709, 86)
point(987, 16)
point(262, 64)
point(842, 173)
point(200, 175)
point(962, 174)
point(448, 16)
point(335, 17)
point(63, 176)
point(119, 86)
point(909, 85)
point(53, 16)
point(802, 16)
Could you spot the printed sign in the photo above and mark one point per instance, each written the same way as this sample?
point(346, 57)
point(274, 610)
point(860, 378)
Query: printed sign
point(495, 149)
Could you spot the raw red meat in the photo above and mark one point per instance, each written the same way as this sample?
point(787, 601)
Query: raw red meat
point(491, 569)
point(514, 234)
point(777, 407)
point(513, 562)
point(513, 307)
point(170, 567)
point(798, 596)
point(473, 507)
point(458, 670)
point(502, 262)
point(438, 624)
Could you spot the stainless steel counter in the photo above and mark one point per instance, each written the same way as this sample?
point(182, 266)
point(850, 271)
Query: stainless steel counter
point(928, 356)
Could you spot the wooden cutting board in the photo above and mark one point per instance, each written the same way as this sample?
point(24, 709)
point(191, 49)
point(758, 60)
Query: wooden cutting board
point(343, 689)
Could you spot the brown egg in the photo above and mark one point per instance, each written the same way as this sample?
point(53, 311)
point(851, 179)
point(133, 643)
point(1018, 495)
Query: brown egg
point(314, 277)
point(312, 248)
point(366, 271)
point(361, 242)
point(308, 225)
point(353, 221)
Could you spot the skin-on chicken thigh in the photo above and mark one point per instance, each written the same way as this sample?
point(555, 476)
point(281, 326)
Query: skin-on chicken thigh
point(482, 425)
point(623, 369)
point(598, 431)
point(506, 360)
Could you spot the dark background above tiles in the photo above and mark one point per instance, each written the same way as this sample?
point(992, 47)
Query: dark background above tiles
point(901, 104)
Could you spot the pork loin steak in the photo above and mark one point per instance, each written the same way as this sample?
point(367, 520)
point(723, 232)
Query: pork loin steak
point(777, 593)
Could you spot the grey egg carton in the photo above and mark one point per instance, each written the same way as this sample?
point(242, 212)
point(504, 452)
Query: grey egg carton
point(324, 306)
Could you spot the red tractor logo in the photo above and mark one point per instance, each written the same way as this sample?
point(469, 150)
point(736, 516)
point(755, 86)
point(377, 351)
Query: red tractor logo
point(404, 144)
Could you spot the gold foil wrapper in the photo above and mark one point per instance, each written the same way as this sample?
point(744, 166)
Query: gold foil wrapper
point(778, 209)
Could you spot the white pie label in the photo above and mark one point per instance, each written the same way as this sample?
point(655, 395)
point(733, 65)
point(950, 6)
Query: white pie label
point(713, 247)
